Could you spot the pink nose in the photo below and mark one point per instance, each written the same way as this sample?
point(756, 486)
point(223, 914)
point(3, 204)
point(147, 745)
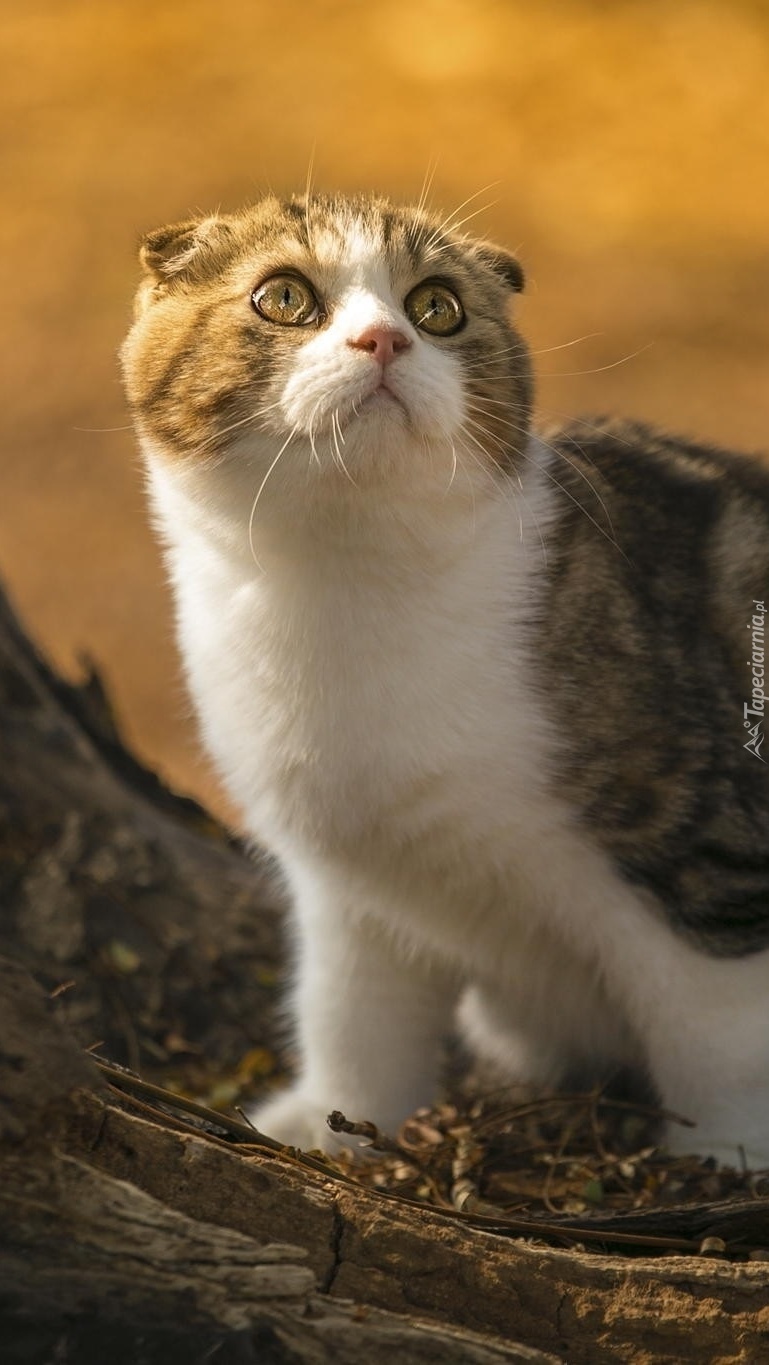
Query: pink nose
point(384, 343)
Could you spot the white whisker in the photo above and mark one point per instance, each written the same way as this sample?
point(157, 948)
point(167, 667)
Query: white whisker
point(582, 509)
point(100, 431)
point(583, 422)
point(489, 474)
point(337, 433)
point(241, 422)
point(471, 485)
point(260, 490)
point(427, 185)
point(561, 455)
point(448, 224)
point(564, 345)
point(460, 222)
point(518, 348)
point(552, 478)
point(599, 369)
point(307, 193)
point(453, 467)
point(311, 433)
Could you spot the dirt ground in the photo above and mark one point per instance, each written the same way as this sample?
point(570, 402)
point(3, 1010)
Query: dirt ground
point(623, 150)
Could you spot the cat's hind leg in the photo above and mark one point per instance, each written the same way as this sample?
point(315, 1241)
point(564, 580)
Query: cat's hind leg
point(707, 1025)
point(550, 1024)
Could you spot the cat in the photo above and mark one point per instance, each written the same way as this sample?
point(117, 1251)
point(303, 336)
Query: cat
point(495, 699)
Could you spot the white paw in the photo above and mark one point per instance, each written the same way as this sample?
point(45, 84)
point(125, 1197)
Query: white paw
point(298, 1120)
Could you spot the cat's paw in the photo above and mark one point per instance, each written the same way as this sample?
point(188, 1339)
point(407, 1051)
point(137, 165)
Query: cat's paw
point(297, 1120)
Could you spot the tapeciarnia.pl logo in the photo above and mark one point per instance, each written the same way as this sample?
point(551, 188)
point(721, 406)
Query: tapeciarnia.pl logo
point(756, 707)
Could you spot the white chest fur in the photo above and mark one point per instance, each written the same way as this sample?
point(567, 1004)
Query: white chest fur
point(345, 690)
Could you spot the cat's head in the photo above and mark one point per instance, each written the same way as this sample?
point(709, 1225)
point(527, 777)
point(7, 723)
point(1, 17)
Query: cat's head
point(364, 336)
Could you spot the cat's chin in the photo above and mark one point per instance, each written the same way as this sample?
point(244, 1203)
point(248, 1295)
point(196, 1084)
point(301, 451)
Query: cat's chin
point(383, 395)
point(378, 427)
point(380, 406)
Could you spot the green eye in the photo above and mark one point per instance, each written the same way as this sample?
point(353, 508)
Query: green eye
point(435, 309)
point(287, 300)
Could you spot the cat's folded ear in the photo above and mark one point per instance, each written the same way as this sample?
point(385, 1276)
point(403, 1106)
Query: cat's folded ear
point(502, 263)
point(172, 252)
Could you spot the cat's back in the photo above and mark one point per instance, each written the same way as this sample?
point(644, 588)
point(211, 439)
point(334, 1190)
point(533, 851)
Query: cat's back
point(659, 496)
point(654, 535)
point(654, 641)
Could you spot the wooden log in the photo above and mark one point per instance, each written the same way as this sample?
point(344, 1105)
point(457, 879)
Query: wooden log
point(113, 1223)
point(93, 1268)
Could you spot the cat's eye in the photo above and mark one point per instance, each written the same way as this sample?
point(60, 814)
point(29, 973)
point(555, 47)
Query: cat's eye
point(434, 308)
point(287, 300)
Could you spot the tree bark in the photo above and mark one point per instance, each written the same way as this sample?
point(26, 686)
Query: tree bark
point(109, 881)
point(127, 1236)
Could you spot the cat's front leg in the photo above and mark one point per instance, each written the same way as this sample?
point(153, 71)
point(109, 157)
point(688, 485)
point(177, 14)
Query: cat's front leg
point(370, 1019)
point(709, 1056)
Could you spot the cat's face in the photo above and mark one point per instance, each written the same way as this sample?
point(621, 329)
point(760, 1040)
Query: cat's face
point(355, 332)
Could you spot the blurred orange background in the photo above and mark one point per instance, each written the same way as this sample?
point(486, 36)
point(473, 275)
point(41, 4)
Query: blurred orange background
point(621, 148)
